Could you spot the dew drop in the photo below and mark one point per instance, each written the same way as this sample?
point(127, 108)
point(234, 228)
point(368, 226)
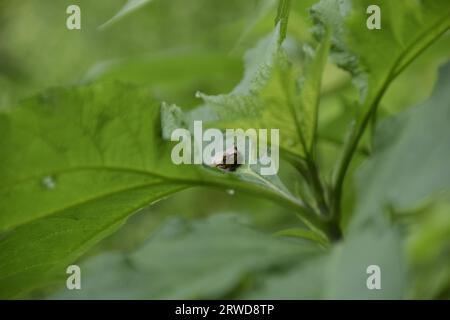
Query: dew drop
point(48, 182)
point(230, 192)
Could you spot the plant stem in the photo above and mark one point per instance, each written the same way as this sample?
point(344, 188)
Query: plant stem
point(307, 167)
point(348, 153)
point(317, 188)
point(401, 63)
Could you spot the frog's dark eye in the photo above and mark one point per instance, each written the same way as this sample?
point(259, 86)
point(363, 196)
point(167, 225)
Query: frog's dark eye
point(227, 160)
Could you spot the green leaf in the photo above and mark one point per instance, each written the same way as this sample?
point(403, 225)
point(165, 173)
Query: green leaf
point(205, 259)
point(410, 158)
point(170, 75)
point(409, 167)
point(428, 244)
point(34, 254)
point(348, 265)
point(85, 158)
point(258, 101)
point(378, 56)
point(245, 99)
point(266, 95)
point(309, 97)
point(284, 7)
point(128, 8)
point(342, 273)
point(304, 234)
point(305, 280)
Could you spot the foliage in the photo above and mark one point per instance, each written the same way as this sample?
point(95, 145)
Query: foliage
point(82, 165)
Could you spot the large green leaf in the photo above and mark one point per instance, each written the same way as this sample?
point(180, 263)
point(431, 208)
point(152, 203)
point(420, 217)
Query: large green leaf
point(204, 259)
point(305, 280)
point(349, 263)
point(410, 158)
point(342, 272)
point(76, 163)
point(33, 254)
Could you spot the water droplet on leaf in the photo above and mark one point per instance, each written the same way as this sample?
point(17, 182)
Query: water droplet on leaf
point(48, 182)
point(230, 192)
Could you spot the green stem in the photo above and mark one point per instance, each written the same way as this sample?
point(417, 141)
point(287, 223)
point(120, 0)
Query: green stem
point(403, 61)
point(317, 188)
point(308, 169)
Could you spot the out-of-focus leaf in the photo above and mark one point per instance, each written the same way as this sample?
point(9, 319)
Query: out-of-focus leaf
point(306, 280)
point(86, 158)
point(204, 259)
point(410, 158)
point(342, 273)
point(303, 234)
point(171, 75)
point(128, 8)
point(428, 246)
point(284, 7)
point(262, 10)
point(347, 273)
point(377, 56)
